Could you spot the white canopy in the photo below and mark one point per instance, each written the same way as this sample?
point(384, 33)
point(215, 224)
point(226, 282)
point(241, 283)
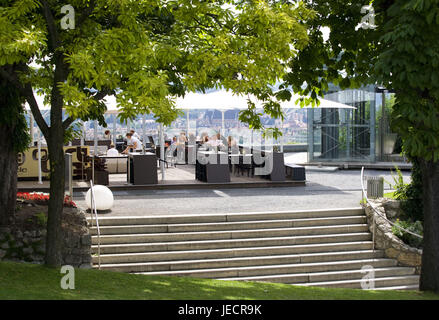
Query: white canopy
point(218, 100)
point(226, 100)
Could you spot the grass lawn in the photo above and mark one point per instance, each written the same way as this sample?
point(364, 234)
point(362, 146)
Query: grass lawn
point(30, 281)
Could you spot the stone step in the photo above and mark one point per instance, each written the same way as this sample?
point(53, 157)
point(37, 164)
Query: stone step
point(243, 261)
point(240, 243)
point(227, 217)
point(170, 255)
point(236, 273)
point(332, 278)
point(380, 282)
point(404, 287)
point(224, 226)
point(224, 235)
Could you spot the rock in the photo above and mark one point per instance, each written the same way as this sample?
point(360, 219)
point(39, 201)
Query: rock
point(2, 253)
point(28, 250)
point(410, 259)
point(18, 244)
point(5, 245)
point(40, 249)
point(391, 253)
point(85, 266)
point(37, 257)
point(86, 258)
point(86, 239)
point(73, 260)
point(5, 230)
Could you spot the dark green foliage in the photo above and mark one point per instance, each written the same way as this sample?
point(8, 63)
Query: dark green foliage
point(72, 132)
point(410, 194)
point(12, 115)
point(412, 201)
point(415, 227)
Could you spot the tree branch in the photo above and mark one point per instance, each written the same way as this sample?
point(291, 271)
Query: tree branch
point(51, 27)
point(97, 97)
point(10, 73)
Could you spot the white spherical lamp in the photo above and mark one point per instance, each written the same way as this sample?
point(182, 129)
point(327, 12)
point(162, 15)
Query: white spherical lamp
point(103, 197)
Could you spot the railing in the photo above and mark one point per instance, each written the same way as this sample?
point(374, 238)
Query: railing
point(380, 214)
point(93, 210)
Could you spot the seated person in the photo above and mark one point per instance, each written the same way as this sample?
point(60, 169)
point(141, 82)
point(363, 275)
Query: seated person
point(216, 141)
point(107, 135)
point(192, 138)
point(134, 133)
point(132, 143)
point(112, 152)
point(182, 138)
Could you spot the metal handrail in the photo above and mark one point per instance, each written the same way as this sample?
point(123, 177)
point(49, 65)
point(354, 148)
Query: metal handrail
point(93, 209)
point(379, 213)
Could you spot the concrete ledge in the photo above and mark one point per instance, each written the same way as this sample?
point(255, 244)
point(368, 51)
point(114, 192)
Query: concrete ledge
point(227, 185)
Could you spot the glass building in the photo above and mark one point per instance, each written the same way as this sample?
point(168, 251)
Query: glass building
point(346, 135)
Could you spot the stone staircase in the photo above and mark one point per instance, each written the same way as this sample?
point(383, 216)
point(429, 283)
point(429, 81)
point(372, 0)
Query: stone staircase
point(326, 248)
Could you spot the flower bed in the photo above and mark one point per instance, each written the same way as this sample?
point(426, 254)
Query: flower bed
point(43, 198)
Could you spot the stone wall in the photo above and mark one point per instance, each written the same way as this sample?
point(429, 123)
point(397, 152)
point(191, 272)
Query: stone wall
point(385, 240)
point(28, 244)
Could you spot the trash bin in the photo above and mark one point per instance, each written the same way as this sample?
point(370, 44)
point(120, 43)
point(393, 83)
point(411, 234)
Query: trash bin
point(375, 187)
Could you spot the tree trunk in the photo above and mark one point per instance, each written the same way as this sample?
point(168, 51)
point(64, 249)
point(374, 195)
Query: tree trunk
point(56, 200)
point(8, 174)
point(10, 112)
point(430, 254)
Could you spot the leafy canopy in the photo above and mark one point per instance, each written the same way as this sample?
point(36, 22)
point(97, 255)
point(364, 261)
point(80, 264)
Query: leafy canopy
point(401, 53)
point(147, 52)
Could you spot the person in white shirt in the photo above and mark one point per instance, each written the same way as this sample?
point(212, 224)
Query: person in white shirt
point(112, 152)
point(134, 133)
point(133, 143)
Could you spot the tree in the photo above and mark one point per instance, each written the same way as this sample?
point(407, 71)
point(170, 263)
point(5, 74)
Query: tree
point(400, 52)
point(13, 139)
point(145, 53)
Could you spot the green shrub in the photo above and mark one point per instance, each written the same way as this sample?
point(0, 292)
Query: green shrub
point(410, 194)
point(415, 227)
point(41, 219)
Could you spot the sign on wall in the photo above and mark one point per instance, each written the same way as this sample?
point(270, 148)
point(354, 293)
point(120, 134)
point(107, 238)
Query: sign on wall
point(28, 160)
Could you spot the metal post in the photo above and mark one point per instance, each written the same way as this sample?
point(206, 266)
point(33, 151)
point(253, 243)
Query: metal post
point(83, 133)
point(310, 135)
point(95, 138)
point(68, 175)
point(282, 137)
point(383, 122)
point(372, 130)
point(222, 123)
point(187, 123)
point(40, 175)
point(31, 125)
point(143, 129)
point(114, 129)
point(162, 152)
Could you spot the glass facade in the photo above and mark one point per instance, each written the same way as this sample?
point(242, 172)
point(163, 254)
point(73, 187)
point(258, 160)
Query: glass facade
point(344, 134)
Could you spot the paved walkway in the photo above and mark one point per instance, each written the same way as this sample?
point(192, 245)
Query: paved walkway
point(323, 190)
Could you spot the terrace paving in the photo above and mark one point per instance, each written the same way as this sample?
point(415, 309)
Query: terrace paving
point(336, 189)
